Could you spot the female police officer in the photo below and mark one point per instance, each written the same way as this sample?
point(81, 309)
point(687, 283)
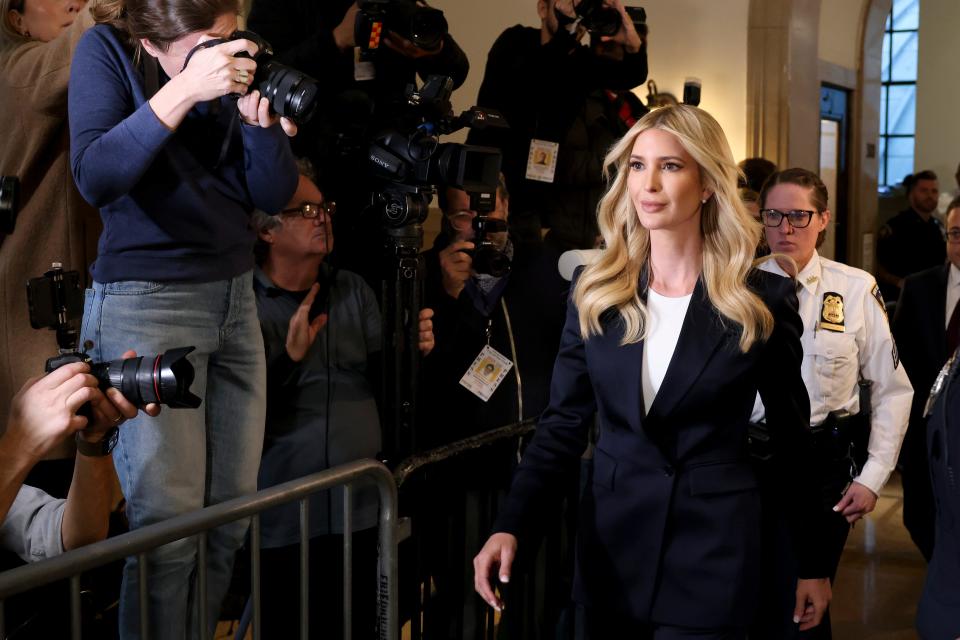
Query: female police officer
point(846, 339)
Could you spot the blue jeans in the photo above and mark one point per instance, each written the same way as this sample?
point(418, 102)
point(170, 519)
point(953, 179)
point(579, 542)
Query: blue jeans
point(185, 459)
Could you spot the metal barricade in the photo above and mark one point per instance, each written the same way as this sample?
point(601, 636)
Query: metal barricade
point(468, 515)
point(139, 542)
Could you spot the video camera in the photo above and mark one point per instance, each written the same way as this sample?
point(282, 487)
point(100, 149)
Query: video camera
point(410, 161)
point(424, 26)
point(56, 302)
point(9, 202)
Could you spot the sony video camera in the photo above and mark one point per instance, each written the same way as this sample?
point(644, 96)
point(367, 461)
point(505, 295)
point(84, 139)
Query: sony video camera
point(56, 302)
point(423, 26)
point(9, 202)
point(410, 161)
point(292, 94)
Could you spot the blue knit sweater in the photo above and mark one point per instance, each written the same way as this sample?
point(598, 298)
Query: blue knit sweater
point(170, 212)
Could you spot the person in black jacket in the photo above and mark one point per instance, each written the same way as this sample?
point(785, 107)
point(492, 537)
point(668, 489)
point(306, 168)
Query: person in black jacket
point(540, 80)
point(359, 99)
point(520, 316)
point(912, 240)
point(669, 336)
point(938, 613)
point(922, 328)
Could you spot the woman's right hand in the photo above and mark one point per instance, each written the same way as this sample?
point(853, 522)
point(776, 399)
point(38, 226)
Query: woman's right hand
point(216, 71)
point(497, 555)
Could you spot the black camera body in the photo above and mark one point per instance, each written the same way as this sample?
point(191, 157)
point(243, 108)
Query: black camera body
point(9, 203)
point(425, 27)
point(292, 94)
point(488, 254)
point(410, 161)
point(56, 302)
point(603, 20)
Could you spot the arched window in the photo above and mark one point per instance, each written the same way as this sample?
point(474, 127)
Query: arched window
point(898, 98)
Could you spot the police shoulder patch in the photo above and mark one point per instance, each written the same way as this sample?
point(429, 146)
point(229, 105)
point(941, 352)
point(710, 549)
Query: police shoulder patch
point(831, 312)
point(879, 298)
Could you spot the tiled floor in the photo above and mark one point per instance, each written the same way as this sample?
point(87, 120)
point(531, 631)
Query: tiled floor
point(880, 577)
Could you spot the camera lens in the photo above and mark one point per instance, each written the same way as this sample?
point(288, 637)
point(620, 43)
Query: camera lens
point(164, 378)
point(427, 28)
point(291, 93)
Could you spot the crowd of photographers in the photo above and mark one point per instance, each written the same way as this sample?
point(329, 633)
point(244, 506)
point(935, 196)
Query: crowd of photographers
point(173, 127)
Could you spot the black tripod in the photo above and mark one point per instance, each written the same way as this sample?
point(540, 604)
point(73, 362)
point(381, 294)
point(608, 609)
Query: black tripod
point(404, 210)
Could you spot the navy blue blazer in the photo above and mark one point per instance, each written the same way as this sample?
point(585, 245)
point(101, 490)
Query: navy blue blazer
point(938, 616)
point(669, 526)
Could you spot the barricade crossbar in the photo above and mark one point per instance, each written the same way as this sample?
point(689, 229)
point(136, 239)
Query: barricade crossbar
point(136, 543)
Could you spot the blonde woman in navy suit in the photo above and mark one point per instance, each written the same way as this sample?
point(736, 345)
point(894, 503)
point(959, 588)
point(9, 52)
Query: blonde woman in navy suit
point(669, 337)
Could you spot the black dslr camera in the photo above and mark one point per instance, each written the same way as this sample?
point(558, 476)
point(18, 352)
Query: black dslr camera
point(489, 240)
point(56, 302)
point(423, 26)
point(603, 20)
point(9, 201)
point(291, 93)
point(410, 161)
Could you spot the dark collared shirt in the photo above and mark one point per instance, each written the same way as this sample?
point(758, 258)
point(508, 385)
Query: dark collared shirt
point(321, 412)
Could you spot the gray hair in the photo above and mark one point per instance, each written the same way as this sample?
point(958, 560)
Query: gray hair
point(262, 221)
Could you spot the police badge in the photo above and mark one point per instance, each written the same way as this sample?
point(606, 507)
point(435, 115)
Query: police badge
point(831, 313)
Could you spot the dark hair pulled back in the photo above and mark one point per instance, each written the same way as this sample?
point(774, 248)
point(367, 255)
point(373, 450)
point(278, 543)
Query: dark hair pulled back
point(161, 21)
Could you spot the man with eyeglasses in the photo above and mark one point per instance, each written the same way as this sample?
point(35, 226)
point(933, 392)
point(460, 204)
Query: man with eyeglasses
point(322, 337)
point(912, 240)
point(927, 329)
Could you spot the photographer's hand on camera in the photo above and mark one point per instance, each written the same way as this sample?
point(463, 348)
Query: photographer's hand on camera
point(44, 411)
point(456, 267)
point(210, 73)
point(343, 33)
point(255, 111)
point(627, 36)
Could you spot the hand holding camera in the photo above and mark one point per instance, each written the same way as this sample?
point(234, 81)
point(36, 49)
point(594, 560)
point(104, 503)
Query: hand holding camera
point(215, 71)
point(627, 33)
point(456, 267)
point(46, 410)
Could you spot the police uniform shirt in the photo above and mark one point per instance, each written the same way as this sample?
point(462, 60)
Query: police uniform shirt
point(846, 335)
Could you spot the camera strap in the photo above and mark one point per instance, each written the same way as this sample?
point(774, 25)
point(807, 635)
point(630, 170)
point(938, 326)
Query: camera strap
point(151, 84)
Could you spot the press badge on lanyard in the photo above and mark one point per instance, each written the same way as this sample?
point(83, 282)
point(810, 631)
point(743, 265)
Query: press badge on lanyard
point(542, 160)
point(487, 371)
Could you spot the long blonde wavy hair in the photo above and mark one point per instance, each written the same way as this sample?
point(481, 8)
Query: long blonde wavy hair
point(730, 235)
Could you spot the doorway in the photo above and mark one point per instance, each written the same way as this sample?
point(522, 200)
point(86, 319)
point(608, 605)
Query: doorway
point(834, 167)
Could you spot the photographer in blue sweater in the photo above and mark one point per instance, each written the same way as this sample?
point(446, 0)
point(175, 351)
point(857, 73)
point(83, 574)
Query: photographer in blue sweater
point(176, 163)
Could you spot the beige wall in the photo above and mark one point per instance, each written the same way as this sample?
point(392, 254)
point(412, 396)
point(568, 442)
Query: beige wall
point(938, 91)
point(688, 38)
point(839, 25)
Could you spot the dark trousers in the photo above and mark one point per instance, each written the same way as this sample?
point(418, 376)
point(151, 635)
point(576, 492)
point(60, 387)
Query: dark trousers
point(778, 591)
point(606, 625)
point(280, 588)
point(918, 505)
